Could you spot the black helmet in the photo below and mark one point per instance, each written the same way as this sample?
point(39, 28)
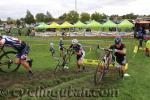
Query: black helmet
point(118, 40)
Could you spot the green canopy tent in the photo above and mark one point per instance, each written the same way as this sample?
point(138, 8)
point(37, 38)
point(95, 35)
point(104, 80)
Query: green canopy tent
point(109, 24)
point(125, 24)
point(79, 24)
point(94, 25)
point(54, 25)
point(42, 26)
point(66, 25)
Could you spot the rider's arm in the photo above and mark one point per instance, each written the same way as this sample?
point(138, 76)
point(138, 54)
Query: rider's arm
point(79, 52)
point(122, 51)
point(70, 46)
point(2, 41)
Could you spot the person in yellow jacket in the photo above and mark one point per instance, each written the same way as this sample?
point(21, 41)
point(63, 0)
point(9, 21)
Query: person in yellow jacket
point(147, 48)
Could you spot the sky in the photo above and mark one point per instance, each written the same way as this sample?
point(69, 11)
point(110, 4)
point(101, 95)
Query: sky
point(17, 8)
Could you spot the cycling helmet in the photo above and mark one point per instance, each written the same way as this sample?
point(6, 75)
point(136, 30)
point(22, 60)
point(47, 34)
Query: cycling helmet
point(118, 40)
point(74, 41)
point(51, 44)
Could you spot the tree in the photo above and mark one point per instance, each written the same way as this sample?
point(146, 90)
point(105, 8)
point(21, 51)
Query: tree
point(84, 17)
point(72, 17)
point(129, 16)
point(29, 18)
point(18, 22)
point(48, 17)
point(63, 17)
point(40, 17)
point(10, 21)
point(0, 21)
point(97, 16)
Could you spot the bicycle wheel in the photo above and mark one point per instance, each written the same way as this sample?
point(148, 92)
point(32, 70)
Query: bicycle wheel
point(56, 69)
point(99, 74)
point(7, 62)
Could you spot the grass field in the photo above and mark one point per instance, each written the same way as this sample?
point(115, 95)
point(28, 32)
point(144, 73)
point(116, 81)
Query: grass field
point(134, 87)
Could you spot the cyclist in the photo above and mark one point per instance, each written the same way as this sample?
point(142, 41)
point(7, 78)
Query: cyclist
point(61, 48)
point(78, 50)
point(52, 49)
point(120, 54)
point(22, 50)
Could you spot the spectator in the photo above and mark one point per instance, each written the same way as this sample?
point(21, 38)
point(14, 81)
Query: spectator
point(140, 37)
point(33, 32)
point(52, 49)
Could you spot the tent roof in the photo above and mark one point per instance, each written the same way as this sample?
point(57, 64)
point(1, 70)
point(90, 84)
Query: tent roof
point(66, 25)
point(125, 24)
point(42, 26)
point(79, 24)
point(94, 24)
point(109, 23)
point(54, 25)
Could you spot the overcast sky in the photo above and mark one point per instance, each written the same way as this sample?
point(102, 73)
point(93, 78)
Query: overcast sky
point(17, 8)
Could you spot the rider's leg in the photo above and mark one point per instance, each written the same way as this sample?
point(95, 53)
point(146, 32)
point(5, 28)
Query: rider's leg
point(17, 61)
point(26, 65)
point(78, 62)
point(23, 61)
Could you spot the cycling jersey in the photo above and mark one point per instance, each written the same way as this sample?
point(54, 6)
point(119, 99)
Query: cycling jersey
point(77, 48)
point(120, 58)
point(21, 47)
point(61, 45)
point(14, 42)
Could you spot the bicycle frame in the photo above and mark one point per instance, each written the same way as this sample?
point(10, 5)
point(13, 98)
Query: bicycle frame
point(108, 58)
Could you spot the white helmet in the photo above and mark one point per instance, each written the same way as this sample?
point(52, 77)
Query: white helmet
point(51, 44)
point(74, 41)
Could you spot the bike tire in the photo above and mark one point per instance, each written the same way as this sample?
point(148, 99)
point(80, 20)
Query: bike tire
point(98, 76)
point(7, 54)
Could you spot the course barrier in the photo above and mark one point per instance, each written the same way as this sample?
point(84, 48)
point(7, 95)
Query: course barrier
point(97, 62)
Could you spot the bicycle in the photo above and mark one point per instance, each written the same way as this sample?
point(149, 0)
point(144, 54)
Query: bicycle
point(106, 61)
point(62, 62)
point(7, 63)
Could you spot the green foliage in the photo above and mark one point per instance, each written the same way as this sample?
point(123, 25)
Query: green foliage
point(18, 22)
point(40, 17)
point(84, 17)
point(29, 18)
point(130, 16)
point(0, 21)
point(10, 21)
point(48, 17)
point(63, 17)
point(72, 17)
point(97, 16)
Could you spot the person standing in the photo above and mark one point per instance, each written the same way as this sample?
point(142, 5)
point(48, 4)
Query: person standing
point(140, 37)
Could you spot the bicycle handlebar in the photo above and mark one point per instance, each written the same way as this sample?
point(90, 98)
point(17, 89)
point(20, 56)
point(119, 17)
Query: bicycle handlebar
point(106, 49)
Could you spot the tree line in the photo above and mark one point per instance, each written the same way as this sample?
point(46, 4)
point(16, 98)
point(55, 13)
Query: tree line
point(71, 16)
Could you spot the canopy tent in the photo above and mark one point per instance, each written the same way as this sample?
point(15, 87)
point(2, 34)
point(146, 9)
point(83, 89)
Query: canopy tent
point(42, 26)
point(109, 24)
point(54, 25)
point(66, 25)
point(125, 24)
point(94, 25)
point(79, 24)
